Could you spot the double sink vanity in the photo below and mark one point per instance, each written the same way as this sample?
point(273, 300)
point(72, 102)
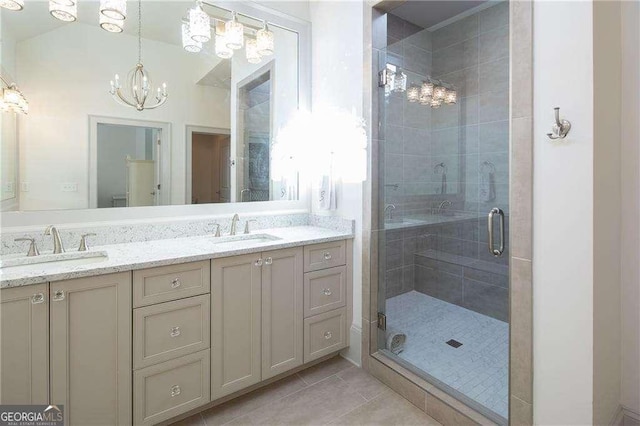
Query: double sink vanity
point(144, 331)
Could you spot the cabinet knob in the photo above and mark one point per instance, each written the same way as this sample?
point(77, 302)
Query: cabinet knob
point(58, 295)
point(176, 283)
point(268, 261)
point(37, 298)
point(327, 255)
point(258, 262)
point(326, 292)
point(175, 332)
point(327, 335)
point(175, 390)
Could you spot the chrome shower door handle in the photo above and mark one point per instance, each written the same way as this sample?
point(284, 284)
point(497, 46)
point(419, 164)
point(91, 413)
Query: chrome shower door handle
point(492, 250)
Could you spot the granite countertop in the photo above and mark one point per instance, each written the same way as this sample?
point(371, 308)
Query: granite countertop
point(140, 255)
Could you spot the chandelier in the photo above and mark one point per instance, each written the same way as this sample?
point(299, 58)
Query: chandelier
point(228, 35)
point(12, 99)
point(139, 84)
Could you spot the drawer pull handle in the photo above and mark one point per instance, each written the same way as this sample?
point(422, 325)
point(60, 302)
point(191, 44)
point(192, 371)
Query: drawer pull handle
point(327, 335)
point(175, 332)
point(58, 295)
point(37, 298)
point(176, 283)
point(268, 261)
point(327, 292)
point(327, 255)
point(175, 390)
point(258, 262)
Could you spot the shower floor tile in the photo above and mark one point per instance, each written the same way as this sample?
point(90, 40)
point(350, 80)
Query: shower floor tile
point(479, 368)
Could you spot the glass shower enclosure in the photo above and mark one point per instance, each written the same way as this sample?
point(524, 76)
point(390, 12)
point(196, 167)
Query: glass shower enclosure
point(443, 273)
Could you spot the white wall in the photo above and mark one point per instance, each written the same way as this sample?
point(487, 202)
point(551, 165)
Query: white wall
point(563, 215)
point(337, 82)
point(630, 247)
point(65, 73)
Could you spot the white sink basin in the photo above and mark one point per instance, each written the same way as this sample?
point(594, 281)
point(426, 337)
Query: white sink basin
point(48, 262)
point(241, 241)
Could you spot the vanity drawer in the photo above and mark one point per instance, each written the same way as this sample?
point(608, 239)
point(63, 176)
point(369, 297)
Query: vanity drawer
point(326, 255)
point(324, 290)
point(165, 283)
point(169, 330)
point(174, 387)
point(324, 334)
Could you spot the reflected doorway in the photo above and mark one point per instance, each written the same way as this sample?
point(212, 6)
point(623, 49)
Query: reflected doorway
point(208, 168)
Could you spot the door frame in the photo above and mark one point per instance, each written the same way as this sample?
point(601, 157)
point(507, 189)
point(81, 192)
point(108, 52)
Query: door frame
point(164, 153)
point(190, 129)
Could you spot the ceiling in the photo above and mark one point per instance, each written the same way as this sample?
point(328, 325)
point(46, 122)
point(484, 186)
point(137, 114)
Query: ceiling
point(426, 14)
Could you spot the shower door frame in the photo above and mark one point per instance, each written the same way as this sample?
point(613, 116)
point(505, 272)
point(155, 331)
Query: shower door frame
point(435, 402)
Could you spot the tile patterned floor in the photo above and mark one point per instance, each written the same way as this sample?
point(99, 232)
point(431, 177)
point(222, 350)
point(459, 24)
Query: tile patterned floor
point(334, 392)
point(479, 368)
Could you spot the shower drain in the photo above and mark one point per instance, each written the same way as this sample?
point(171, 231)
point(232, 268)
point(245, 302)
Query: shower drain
point(454, 343)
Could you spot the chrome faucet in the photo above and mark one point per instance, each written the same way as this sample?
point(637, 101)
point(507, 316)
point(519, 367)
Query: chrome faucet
point(234, 222)
point(388, 211)
point(57, 242)
point(443, 205)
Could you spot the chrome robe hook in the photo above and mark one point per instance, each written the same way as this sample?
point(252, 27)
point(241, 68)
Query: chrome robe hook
point(560, 128)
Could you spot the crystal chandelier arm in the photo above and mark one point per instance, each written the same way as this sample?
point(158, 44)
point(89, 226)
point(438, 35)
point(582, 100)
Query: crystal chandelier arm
point(156, 105)
point(118, 97)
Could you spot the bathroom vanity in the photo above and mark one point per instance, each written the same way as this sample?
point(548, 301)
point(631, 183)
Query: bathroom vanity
point(161, 328)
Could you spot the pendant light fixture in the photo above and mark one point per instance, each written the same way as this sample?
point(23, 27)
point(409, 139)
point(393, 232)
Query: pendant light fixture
point(114, 9)
point(199, 24)
point(234, 33)
point(188, 43)
point(12, 99)
point(12, 4)
point(139, 84)
point(64, 11)
point(222, 51)
point(264, 40)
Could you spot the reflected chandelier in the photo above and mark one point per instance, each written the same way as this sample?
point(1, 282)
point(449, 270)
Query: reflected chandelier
point(139, 84)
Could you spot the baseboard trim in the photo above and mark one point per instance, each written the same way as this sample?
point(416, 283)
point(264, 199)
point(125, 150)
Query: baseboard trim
point(353, 353)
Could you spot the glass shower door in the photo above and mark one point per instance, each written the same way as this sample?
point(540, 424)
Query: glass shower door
point(443, 203)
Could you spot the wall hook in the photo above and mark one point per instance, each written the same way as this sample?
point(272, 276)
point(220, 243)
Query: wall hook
point(560, 128)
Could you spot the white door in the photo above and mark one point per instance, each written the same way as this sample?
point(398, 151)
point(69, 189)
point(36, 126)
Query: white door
point(141, 186)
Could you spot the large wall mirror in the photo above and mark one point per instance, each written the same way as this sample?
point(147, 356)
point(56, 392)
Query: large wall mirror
point(209, 141)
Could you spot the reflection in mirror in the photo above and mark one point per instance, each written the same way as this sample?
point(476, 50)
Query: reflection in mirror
point(254, 135)
point(9, 146)
point(65, 68)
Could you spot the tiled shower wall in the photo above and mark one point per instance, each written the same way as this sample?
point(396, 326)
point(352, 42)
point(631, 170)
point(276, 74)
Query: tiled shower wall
point(471, 138)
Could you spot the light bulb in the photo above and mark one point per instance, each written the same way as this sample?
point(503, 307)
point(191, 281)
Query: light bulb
point(63, 12)
point(199, 24)
point(264, 38)
point(251, 50)
point(110, 24)
point(188, 43)
point(114, 9)
point(234, 33)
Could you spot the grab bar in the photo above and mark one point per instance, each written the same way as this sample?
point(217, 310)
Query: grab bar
point(493, 251)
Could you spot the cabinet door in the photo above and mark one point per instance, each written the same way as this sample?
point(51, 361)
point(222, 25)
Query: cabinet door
point(235, 323)
point(282, 312)
point(91, 349)
point(24, 345)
